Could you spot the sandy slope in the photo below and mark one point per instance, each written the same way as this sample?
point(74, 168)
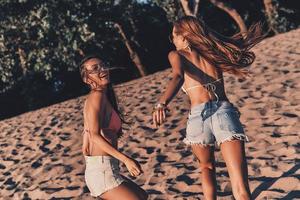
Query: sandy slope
point(41, 150)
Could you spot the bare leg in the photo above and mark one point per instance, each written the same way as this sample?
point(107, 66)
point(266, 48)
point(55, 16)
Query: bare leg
point(128, 190)
point(206, 158)
point(142, 193)
point(234, 155)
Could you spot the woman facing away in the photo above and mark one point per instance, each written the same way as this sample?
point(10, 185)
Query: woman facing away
point(102, 128)
point(201, 57)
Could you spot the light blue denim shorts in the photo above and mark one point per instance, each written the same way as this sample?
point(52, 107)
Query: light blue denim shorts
point(214, 122)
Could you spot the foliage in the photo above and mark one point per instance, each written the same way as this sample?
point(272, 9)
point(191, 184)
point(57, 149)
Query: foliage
point(41, 42)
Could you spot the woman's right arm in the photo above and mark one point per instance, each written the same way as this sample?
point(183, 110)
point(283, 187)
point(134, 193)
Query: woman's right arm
point(173, 86)
point(93, 116)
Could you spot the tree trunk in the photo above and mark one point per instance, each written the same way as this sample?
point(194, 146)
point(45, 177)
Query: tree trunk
point(270, 11)
point(22, 57)
point(196, 7)
point(80, 51)
point(135, 30)
point(188, 10)
point(133, 54)
point(233, 13)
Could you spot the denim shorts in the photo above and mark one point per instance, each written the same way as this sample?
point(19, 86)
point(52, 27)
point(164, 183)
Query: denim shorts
point(214, 122)
point(102, 174)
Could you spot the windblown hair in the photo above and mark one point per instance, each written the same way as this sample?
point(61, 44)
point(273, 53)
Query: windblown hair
point(230, 54)
point(110, 93)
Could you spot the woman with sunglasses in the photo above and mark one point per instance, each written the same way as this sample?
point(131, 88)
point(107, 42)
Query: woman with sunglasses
point(102, 128)
point(201, 57)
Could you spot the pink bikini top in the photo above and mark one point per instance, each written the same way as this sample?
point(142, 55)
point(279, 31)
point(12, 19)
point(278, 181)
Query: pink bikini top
point(114, 126)
point(114, 123)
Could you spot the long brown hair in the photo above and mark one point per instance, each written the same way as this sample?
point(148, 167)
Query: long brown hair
point(110, 93)
point(230, 54)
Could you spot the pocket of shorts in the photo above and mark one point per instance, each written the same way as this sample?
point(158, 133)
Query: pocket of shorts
point(229, 121)
point(194, 125)
point(193, 117)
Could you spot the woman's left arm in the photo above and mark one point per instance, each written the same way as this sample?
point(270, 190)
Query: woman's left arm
point(173, 87)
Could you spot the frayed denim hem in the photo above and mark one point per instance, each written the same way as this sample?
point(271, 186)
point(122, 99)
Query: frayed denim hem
point(189, 142)
point(237, 136)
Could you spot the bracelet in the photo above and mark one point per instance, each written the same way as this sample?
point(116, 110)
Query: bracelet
point(159, 106)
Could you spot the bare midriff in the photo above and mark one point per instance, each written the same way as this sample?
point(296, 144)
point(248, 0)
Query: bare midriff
point(199, 95)
point(210, 90)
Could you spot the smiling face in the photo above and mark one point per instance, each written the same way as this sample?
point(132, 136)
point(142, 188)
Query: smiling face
point(96, 75)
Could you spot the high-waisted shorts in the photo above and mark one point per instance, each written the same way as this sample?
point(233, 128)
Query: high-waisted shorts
point(214, 122)
point(102, 173)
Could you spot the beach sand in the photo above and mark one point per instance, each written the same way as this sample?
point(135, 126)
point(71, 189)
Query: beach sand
point(40, 151)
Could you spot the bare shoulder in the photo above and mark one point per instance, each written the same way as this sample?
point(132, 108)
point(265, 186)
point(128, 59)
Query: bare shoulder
point(93, 101)
point(176, 60)
point(174, 55)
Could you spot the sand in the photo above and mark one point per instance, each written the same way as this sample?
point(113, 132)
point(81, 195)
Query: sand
point(40, 151)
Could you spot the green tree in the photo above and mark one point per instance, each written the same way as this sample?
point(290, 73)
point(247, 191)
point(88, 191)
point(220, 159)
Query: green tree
point(48, 37)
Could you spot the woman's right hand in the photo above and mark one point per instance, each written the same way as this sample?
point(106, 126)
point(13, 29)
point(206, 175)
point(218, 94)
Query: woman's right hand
point(133, 167)
point(159, 114)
